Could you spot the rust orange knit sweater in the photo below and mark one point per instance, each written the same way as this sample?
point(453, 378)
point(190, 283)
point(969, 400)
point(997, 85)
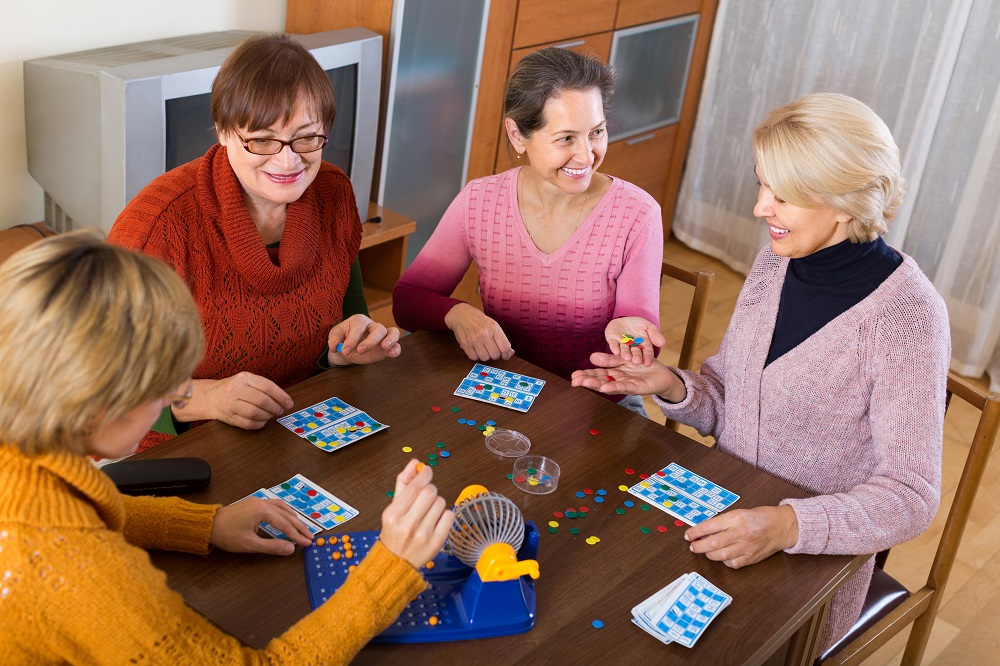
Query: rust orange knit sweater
point(271, 320)
point(77, 586)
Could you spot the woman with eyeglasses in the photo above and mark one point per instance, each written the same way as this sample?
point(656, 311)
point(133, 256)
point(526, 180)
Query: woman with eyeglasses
point(266, 235)
point(112, 334)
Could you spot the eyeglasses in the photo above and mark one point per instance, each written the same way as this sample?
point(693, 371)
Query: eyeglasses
point(180, 400)
point(300, 144)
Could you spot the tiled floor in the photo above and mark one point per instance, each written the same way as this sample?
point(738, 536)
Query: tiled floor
point(967, 630)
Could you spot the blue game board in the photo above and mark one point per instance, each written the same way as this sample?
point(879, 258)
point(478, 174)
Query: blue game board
point(500, 387)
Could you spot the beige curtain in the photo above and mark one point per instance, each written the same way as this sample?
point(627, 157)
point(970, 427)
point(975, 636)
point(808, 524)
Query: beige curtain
point(931, 69)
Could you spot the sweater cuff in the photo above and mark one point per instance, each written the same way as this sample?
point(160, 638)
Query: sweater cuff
point(814, 526)
point(169, 523)
point(390, 578)
point(669, 408)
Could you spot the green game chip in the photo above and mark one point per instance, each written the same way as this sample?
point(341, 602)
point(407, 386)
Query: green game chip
point(574, 530)
point(645, 530)
point(620, 511)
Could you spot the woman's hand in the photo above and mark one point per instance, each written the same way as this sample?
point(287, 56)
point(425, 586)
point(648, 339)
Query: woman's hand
point(244, 400)
point(615, 374)
point(745, 536)
point(416, 522)
point(235, 527)
point(637, 327)
point(480, 337)
point(363, 341)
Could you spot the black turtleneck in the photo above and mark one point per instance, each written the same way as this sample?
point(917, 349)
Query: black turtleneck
point(827, 283)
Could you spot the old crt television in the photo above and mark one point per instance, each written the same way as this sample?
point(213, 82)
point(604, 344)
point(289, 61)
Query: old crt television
point(102, 124)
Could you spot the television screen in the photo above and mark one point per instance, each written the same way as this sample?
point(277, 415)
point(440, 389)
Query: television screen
point(189, 131)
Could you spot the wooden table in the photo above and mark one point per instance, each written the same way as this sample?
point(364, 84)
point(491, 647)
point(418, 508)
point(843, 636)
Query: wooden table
point(257, 597)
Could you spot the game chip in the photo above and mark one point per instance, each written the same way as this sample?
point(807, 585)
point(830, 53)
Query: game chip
point(662, 528)
point(629, 470)
point(445, 454)
point(598, 624)
point(620, 511)
point(679, 523)
point(455, 409)
point(594, 431)
point(435, 409)
point(574, 530)
point(645, 530)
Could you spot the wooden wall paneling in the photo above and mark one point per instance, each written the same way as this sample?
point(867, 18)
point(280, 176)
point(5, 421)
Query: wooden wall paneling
point(598, 45)
point(636, 12)
point(689, 110)
point(486, 133)
point(546, 21)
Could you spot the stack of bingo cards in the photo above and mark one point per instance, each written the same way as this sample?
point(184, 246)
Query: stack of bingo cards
point(316, 508)
point(331, 424)
point(680, 612)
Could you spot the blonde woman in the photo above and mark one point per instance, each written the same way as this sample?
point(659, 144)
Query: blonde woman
point(832, 373)
point(94, 342)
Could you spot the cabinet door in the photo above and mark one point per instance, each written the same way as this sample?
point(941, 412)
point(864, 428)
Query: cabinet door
point(598, 45)
point(547, 21)
point(634, 12)
point(642, 160)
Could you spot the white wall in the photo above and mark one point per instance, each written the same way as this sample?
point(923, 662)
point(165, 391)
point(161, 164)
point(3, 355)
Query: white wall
point(35, 29)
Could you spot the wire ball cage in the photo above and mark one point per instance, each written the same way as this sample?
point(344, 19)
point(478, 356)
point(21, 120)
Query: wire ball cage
point(481, 521)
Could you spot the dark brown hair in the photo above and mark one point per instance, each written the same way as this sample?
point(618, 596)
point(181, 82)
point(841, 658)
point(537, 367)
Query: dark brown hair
point(260, 80)
point(543, 74)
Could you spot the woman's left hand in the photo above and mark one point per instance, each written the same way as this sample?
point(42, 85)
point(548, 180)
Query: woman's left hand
point(363, 340)
point(745, 536)
point(639, 329)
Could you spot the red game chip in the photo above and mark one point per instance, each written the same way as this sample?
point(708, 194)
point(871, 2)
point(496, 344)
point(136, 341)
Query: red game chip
point(479, 387)
point(629, 470)
point(314, 514)
point(644, 476)
point(435, 409)
point(520, 479)
point(318, 415)
point(359, 423)
point(662, 528)
point(558, 514)
point(661, 473)
point(611, 379)
point(588, 491)
point(594, 431)
point(679, 523)
point(311, 492)
point(484, 374)
point(583, 509)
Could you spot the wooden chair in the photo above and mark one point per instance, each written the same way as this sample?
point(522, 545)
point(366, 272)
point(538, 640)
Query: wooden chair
point(889, 607)
point(702, 283)
point(21, 235)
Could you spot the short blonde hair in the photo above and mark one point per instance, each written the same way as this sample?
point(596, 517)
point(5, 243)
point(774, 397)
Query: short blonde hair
point(88, 332)
point(834, 148)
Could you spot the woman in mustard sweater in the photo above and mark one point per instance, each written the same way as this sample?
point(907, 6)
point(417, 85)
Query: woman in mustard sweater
point(93, 340)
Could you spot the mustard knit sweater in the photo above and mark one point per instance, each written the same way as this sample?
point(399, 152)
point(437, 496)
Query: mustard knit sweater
point(77, 586)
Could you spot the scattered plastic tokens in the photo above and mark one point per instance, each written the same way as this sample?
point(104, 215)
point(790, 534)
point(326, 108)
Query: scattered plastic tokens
point(491, 423)
point(623, 488)
point(583, 509)
point(510, 475)
point(553, 530)
point(432, 463)
point(580, 493)
point(645, 530)
point(595, 431)
point(558, 514)
point(462, 421)
point(598, 624)
point(679, 523)
point(620, 511)
point(602, 491)
point(593, 541)
point(629, 470)
point(435, 409)
point(445, 454)
point(552, 523)
point(574, 530)
point(644, 507)
point(455, 409)
point(662, 528)
point(629, 503)
point(598, 499)
point(390, 493)
point(407, 449)
point(440, 445)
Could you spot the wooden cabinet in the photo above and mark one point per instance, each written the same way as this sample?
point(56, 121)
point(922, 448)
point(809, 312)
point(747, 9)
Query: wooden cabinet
point(383, 258)
point(652, 159)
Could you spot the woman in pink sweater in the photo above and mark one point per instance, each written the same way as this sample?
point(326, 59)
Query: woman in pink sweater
point(561, 249)
point(832, 372)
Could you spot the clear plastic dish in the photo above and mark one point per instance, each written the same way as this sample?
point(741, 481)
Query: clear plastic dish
point(508, 443)
point(536, 474)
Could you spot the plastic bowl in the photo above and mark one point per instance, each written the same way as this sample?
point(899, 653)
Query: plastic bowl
point(536, 474)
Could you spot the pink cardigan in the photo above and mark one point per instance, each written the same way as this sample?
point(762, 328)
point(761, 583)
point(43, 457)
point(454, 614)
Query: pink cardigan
point(855, 414)
point(552, 307)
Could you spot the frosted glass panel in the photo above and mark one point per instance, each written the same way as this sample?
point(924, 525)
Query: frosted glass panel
point(437, 45)
point(653, 62)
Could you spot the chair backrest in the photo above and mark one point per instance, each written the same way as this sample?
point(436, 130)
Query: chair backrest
point(19, 236)
point(921, 607)
point(702, 283)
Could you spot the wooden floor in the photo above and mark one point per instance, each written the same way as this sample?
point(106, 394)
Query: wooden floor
point(967, 630)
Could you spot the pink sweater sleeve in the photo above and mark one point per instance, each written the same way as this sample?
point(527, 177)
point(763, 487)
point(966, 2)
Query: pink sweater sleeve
point(909, 364)
point(640, 274)
point(422, 296)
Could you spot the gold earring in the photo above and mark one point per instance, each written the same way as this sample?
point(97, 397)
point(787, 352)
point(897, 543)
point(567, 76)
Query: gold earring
point(519, 156)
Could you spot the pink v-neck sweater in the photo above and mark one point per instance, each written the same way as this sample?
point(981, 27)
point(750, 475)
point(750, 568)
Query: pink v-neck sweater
point(855, 413)
point(552, 307)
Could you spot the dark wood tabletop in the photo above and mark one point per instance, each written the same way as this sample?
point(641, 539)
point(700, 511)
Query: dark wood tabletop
point(257, 597)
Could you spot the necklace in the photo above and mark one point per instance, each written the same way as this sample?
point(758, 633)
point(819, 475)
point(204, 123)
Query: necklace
point(579, 217)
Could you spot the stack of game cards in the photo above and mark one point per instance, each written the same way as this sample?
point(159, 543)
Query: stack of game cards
point(680, 612)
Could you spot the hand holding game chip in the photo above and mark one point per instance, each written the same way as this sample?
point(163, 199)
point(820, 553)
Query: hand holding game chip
point(633, 338)
point(416, 523)
point(360, 340)
point(615, 374)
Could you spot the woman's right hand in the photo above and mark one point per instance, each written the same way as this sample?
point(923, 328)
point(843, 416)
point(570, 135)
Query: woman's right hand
point(480, 337)
point(615, 374)
point(244, 400)
point(416, 522)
